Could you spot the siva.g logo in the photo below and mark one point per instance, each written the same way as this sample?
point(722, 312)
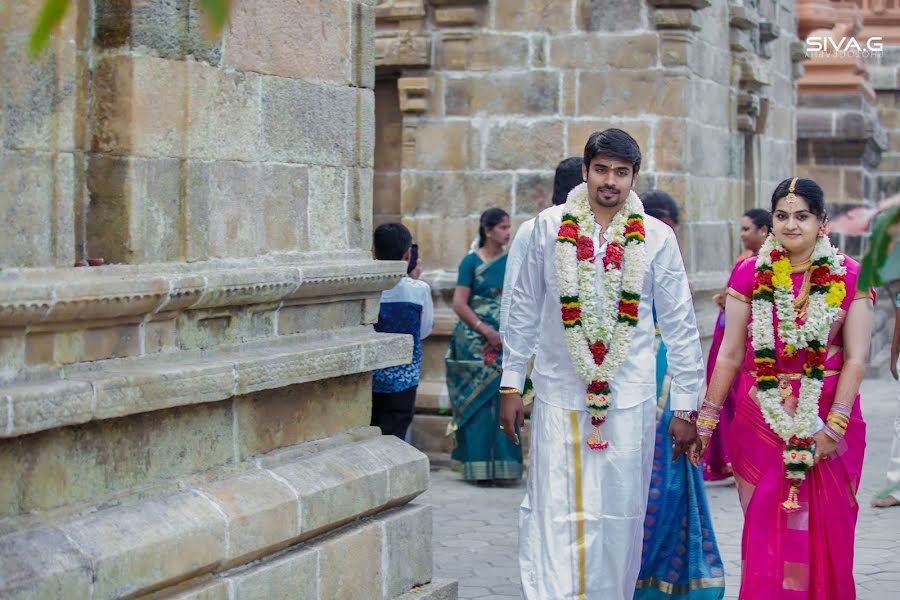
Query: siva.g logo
point(817, 46)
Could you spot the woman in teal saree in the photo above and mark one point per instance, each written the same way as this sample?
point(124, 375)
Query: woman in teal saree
point(473, 360)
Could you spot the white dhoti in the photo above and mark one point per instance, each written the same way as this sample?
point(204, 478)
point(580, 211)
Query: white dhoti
point(581, 523)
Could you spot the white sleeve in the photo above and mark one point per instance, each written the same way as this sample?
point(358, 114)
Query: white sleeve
point(427, 325)
point(514, 259)
point(678, 325)
point(523, 322)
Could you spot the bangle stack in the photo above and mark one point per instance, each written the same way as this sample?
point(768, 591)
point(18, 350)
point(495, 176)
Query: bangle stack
point(837, 421)
point(708, 418)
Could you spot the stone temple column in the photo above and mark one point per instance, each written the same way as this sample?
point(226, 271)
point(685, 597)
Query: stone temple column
point(191, 419)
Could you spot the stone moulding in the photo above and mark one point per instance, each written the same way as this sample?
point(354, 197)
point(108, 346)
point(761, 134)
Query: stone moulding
point(118, 387)
point(32, 296)
point(218, 527)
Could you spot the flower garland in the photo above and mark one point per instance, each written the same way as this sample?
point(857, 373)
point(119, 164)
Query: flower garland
point(598, 331)
point(773, 294)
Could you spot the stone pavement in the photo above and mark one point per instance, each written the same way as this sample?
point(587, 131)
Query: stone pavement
point(475, 532)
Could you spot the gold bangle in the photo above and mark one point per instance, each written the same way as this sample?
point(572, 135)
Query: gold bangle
point(505, 391)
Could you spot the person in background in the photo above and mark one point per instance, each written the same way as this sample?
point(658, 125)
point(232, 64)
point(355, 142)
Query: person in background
point(756, 225)
point(405, 308)
point(890, 494)
point(680, 557)
point(473, 360)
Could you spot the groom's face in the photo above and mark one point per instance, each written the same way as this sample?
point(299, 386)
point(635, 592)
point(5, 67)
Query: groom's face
point(609, 180)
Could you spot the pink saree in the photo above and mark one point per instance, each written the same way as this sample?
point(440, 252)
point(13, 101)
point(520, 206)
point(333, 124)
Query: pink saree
point(808, 554)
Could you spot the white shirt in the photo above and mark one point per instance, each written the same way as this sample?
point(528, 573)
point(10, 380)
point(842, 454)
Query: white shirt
point(535, 321)
point(514, 259)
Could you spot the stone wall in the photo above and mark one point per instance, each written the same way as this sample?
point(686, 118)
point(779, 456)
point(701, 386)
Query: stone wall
point(192, 422)
point(478, 100)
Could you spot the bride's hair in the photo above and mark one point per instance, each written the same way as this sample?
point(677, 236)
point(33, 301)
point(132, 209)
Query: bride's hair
point(808, 189)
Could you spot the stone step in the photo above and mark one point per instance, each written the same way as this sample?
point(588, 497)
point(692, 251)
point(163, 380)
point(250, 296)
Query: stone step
point(438, 589)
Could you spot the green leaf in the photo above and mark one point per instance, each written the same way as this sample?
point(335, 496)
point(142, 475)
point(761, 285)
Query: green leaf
point(50, 17)
point(217, 10)
point(879, 248)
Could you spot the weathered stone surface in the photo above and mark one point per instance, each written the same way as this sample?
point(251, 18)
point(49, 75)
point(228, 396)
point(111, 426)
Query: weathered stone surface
point(221, 193)
point(308, 39)
point(350, 563)
point(360, 222)
point(454, 194)
point(308, 123)
point(283, 197)
point(42, 564)
point(407, 560)
point(151, 543)
point(484, 52)
point(581, 51)
point(304, 318)
point(446, 145)
point(633, 94)
point(296, 414)
point(262, 515)
point(135, 210)
point(36, 406)
point(534, 192)
point(438, 589)
point(213, 590)
point(530, 93)
point(538, 15)
point(223, 114)
point(532, 145)
point(407, 468)
point(139, 105)
point(294, 575)
point(671, 147)
point(609, 15)
point(326, 208)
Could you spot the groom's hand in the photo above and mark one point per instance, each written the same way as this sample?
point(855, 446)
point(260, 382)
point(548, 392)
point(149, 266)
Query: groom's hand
point(512, 413)
point(683, 435)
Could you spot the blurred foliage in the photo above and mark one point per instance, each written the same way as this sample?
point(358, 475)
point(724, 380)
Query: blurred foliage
point(54, 11)
point(879, 258)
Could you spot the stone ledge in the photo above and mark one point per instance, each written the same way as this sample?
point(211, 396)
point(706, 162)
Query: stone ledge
point(37, 296)
point(438, 589)
point(120, 387)
point(172, 541)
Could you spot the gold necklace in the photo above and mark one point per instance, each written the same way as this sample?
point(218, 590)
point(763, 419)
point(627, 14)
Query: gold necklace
point(802, 300)
point(802, 266)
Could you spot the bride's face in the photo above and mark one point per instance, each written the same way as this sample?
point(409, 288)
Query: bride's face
point(794, 225)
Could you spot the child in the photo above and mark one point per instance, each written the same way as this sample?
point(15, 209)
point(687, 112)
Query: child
point(405, 308)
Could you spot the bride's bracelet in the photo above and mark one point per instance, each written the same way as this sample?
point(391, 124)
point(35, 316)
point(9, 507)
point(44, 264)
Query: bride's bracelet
point(830, 432)
point(708, 418)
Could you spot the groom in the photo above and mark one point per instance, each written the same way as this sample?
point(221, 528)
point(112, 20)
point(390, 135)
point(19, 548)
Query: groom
point(596, 267)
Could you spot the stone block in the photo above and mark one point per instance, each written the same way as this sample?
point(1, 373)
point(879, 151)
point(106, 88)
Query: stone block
point(532, 145)
point(262, 515)
point(580, 51)
point(221, 195)
point(484, 52)
point(676, 18)
point(633, 94)
point(296, 414)
point(28, 183)
point(326, 207)
point(534, 193)
point(350, 564)
point(363, 45)
point(407, 468)
point(386, 195)
point(212, 590)
point(438, 589)
point(579, 132)
point(671, 146)
point(13, 354)
point(307, 39)
point(139, 106)
point(160, 27)
point(36, 406)
point(324, 316)
point(70, 465)
point(444, 145)
point(223, 113)
point(365, 121)
point(135, 548)
point(675, 49)
point(42, 564)
point(609, 15)
point(443, 241)
point(38, 95)
point(815, 123)
point(20, 17)
point(359, 225)
point(134, 215)
point(453, 194)
point(553, 16)
point(308, 123)
point(459, 16)
point(407, 556)
point(529, 93)
point(159, 336)
point(293, 575)
point(283, 197)
point(710, 246)
point(714, 152)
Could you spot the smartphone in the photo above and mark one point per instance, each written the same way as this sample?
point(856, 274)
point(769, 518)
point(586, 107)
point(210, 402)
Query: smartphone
point(413, 258)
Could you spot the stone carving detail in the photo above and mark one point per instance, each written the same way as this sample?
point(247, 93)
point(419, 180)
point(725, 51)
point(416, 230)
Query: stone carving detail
point(414, 94)
point(402, 49)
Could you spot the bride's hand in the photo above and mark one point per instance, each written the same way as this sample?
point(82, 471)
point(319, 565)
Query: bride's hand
point(696, 455)
point(825, 446)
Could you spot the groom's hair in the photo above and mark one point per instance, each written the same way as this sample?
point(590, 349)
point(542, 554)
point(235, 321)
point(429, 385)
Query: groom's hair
point(616, 143)
point(568, 177)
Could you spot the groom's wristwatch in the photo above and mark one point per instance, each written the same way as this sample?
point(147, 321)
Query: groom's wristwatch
point(686, 415)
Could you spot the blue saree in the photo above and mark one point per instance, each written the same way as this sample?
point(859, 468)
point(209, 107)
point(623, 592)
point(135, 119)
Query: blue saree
point(680, 559)
point(482, 451)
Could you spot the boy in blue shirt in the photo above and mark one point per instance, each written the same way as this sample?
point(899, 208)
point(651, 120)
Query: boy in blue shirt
point(405, 308)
